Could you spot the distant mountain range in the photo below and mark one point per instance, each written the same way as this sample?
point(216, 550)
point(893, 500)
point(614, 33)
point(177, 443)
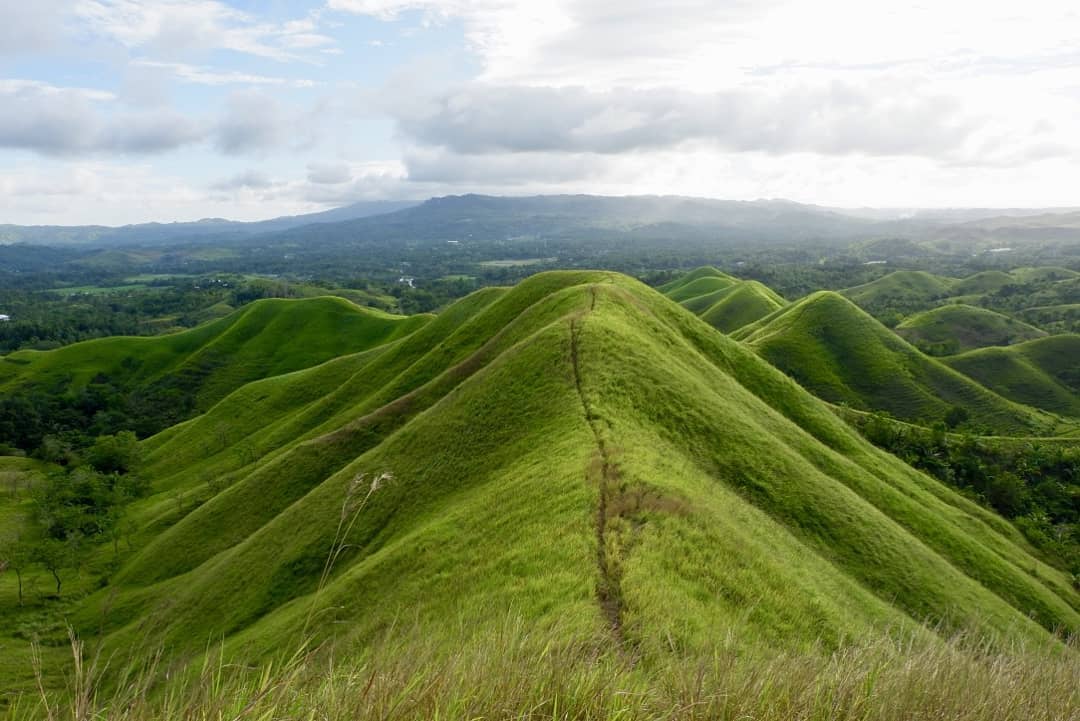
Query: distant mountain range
point(497, 217)
point(156, 233)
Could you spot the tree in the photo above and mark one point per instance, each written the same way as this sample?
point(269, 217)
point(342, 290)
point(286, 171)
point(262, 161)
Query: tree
point(55, 556)
point(955, 416)
point(114, 454)
point(15, 555)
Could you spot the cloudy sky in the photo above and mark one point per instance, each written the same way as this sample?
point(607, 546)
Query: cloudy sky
point(118, 111)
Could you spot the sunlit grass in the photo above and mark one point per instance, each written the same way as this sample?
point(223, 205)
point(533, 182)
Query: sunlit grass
point(515, 672)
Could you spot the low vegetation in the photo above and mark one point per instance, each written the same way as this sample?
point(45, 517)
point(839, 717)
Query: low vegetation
point(406, 674)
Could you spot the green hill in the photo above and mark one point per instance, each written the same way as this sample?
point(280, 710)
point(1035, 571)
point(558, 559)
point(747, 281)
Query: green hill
point(903, 290)
point(1043, 373)
point(742, 305)
point(956, 328)
point(193, 369)
point(843, 355)
point(577, 451)
point(987, 281)
point(1054, 318)
point(698, 282)
point(1041, 274)
point(724, 302)
point(1021, 292)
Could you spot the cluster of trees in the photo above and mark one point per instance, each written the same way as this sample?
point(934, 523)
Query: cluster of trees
point(76, 508)
point(44, 319)
point(1036, 485)
point(36, 422)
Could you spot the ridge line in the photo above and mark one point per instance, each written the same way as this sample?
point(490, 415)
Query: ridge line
point(609, 586)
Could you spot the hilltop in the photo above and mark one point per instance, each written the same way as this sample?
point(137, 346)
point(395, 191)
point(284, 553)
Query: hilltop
point(1019, 293)
point(905, 290)
point(724, 302)
point(1043, 373)
point(843, 355)
point(169, 377)
point(955, 328)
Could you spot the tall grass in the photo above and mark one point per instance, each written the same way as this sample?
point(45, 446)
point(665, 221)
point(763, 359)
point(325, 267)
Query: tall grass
point(512, 671)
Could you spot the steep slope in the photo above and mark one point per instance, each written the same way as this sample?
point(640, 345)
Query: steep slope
point(700, 287)
point(578, 449)
point(843, 355)
point(704, 272)
point(268, 337)
point(722, 301)
point(956, 328)
point(749, 301)
point(1043, 373)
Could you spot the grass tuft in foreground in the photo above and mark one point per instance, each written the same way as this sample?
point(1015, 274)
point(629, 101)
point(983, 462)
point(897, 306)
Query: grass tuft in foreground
point(513, 671)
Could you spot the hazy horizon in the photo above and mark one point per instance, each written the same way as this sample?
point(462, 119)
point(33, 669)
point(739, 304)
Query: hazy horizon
point(882, 212)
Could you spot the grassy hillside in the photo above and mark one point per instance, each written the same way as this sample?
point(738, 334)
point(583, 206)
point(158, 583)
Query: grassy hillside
point(901, 294)
point(951, 329)
point(1042, 373)
point(699, 282)
point(987, 281)
point(202, 365)
point(907, 290)
point(578, 452)
point(724, 302)
point(843, 355)
point(741, 306)
point(1044, 273)
point(1054, 318)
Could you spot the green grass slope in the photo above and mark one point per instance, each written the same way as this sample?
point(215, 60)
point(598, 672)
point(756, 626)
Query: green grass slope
point(724, 302)
point(1043, 273)
point(699, 287)
point(843, 355)
point(905, 289)
point(1054, 318)
point(747, 302)
point(578, 449)
point(987, 281)
point(705, 271)
point(268, 337)
point(1043, 373)
point(955, 328)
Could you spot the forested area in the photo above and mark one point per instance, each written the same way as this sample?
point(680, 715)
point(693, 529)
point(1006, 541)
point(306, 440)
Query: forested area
point(1035, 484)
